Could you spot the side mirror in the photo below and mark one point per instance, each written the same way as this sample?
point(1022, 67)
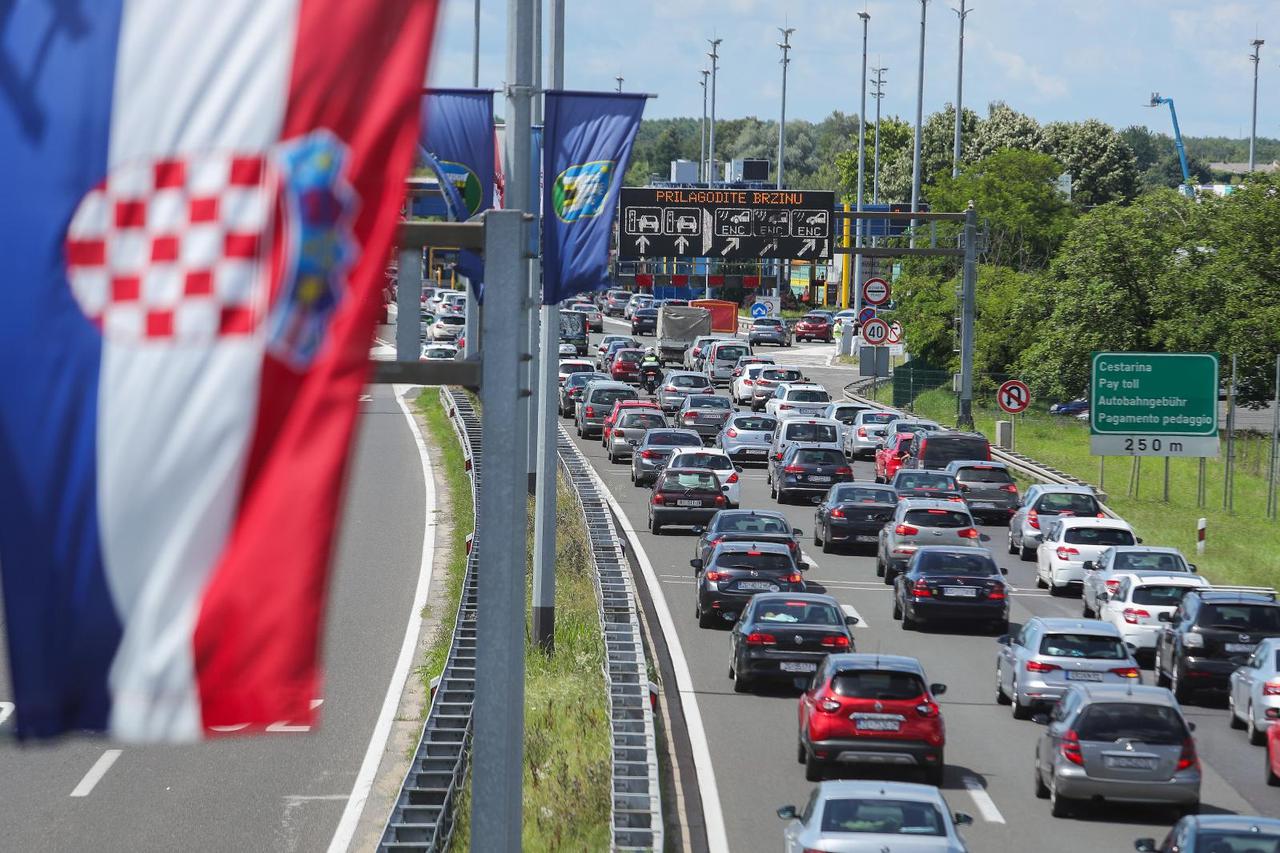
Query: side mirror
point(1003, 570)
point(1139, 540)
point(738, 468)
point(1090, 566)
point(797, 533)
point(1164, 617)
point(1004, 639)
point(1191, 726)
point(698, 530)
point(1102, 596)
point(982, 537)
point(787, 812)
point(696, 562)
point(803, 566)
point(937, 689)
point(1133, 650)
point(1040, 719)
point(1145, 845)
point(961, 819)
point(851, 620)
point(1193, 567)
point(724, 488)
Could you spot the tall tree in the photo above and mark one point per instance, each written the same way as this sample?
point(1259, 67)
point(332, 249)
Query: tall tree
point(1102, 165)
point(1004, 127)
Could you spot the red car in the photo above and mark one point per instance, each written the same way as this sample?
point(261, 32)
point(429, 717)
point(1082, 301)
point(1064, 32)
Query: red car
point(625, 366)
point(1273, 755)
point(814, 327)
point(612, 418)
point(871, 709)
point(890, 456)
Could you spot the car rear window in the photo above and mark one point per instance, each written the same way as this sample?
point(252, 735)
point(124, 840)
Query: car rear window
point(690, 381)
point(576, 368)
point(865, 494)
point(646, 312)
point(924, 481)
point(1073, 503)
point(876, 417)
point(1114, 721)
point(781, 375)
point(766, 321)
point(708, 401)
point(809, 395)
point(882, 817)
point(1084, 646)
point(810, 432)
point(1239, 841)
point(451, 320)
point(1097, 536)
point(798, 613)
point(673, 439)
point(755, 424)
point(818, 456)
point(1160, 596)
point(941, 449)
point(877, 684)
point(845, 414)
point(983, 475)
point(630, 355)
point(699, 481)
point(1137, 561)
point(956, 563)
point(1241, 617)
point(763, 561)
point(815, 318)
point(709, 461)
point(739, 523)
point(945, 518)
point(583, 378)
point(607, 396)
point(731, 353)
point(648, 420)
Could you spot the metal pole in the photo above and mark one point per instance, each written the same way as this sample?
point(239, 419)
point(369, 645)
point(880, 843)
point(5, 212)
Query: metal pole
point(544, 519)
point(1166, 479)
point(1102, 474)
point(968, 296)
point(702, 130)
point(875, 155)
point(409, 305)
point(1228, 483)
point(619, 78)
point(711, 128)
point(475, 49)
point(497, 751)
point(1201, 486)
point(962, 13)
point(846, 341)
point(915, 157)
point(1275, 446)
point(1253, 127)
point(535, 265)
point(471, 333)
point(785, 44)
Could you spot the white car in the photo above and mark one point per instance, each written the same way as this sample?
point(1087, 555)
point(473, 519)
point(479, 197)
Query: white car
point(438, 352)
point(796, 400)
point(846, 414)
point(570, 366)
point(1253, 691)
point(741, 387)
point(718, 462)
point(866, 433)
point(1138, 601)
point(448, 327)
point(1069, 542)
point(873, 816)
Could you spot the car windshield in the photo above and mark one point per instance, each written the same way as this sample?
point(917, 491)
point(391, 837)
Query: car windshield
point(707, 401)
point(741, 523)
point(809, 395)
point(863, 494)
point(608, 396)
point(781, 375)
point(945, 518)
point(877, 684)
point(811, 432)
point(876, 417)
point(688, 380)
point(1097, 536)
point(1069, 503)
point(984, 474)
point(1130, 561)
point(1241, 617)
point(1242, 841)
point(647, 420)
point(1114, 721)
point(730, 353)
point(955, 563)
point(681, 481)
point(673, 439)
point(940, 450)
point(1159, 595)
point(882, 817)
point(751, 423)
point(817, 456)
point(798, 613)
point(924, 481)
point(707, 461)
point(765, 561)
point(1088, 646)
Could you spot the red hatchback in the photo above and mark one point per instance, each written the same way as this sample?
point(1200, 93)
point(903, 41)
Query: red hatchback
point(625, 366)
point(814, 327)
point(871, 709)
point(891, 454)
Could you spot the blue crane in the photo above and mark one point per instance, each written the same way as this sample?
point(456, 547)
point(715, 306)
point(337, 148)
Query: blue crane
point(1186, 188)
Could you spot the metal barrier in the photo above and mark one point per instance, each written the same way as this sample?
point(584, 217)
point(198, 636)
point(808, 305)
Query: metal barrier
point(424, 813)
point(636, 813)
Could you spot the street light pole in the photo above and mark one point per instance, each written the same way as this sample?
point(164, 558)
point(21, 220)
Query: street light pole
point(785, 44)
point(711, 149)
point(915, 159)
point(702, 129)
point(961, 13)
point(875, 155)
point(1253, 128)
point(475, 49)
point(846, 339)
point(619, 78)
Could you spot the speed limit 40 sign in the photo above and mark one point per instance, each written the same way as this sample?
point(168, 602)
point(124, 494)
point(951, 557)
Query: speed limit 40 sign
point(875, 331)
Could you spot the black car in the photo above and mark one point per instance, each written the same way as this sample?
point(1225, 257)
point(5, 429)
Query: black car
point(783, 636)
point(572, 387)
point(747, 525)
point(1212, 633)
point(738, 570)
point(852, 513)
point(952, 583)
point(807, 471)
point(687, 496)
point(918, 483)
point(644, 321)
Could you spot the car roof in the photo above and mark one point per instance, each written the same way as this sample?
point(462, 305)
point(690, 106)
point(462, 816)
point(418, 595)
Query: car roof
point(975, 463)
point(736, 415)
point(802, 386)
point(674, 373)
point(806, 597)
point(803, 420)
point(766, 513)
point(860, 660)
point(610, 384)
point(961, 550)
point(1075, 625)
point(750, 544)
point(1210, 595)
point(1144, 549)
point(875, 789)
point(1180, 579)
point(1145, 694)
point(1090, 521)
point(669, 430)
point(709, 451)
point(1063, 489)
point(1238, 822)
point(931, 503)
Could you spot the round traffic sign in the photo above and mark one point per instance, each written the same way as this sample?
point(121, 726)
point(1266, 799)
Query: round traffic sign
point(866, 314)
point(895, 332)
point(875, 331)
point(875, 291)
point(759, 309)
point(1014, 396)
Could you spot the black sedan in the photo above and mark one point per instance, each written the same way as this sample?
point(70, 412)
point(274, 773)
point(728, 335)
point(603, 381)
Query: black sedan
point(684, 496)
point(747, 525)
point(809, 471)
point(784, 636)
point(962, 584)
point(736, 572)
point(644, 321)
point(852, 514)
point(919, 483)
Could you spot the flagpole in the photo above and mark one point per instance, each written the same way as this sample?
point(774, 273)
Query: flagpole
point(535, 264)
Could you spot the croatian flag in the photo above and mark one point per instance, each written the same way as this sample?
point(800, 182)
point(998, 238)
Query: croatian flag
point(199, 200)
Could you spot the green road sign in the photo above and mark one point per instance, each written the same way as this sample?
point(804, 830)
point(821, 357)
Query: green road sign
point(1154, 404)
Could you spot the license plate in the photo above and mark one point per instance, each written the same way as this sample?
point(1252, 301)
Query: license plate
point(1240, 647)
point(982, 505)
point(876, 725)
point(1084, 676)
point(688, 503)
point(787, 666)
point(756, 451)
point(757, 585)
point(815, 478)
point(960, 591)
point(1131, 762)
point(866, 539)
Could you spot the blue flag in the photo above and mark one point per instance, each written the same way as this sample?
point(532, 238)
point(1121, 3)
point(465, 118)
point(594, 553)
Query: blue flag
point(588, 138)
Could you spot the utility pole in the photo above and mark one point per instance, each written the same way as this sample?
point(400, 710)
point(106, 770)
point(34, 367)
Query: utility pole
point(1253, 128)
point(875, 157)
point(711, 135)
point(619, 78)
point(785, 44)
point(472, 333)
point(702, 130)
point(846, 339)
point(968, 300)
point(535, 265)
point(961, 13)
point(915, 159)
point(475, 49)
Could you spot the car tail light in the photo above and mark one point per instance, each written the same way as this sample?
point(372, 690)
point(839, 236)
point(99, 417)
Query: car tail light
point(717, 576)
point(905, 530)
point(1112, 586)
point(1071, 748)
point(755, 638)
point(1271, 688)
point(731, 432)
point(1065, 553)
point(1132, 615)
point(1127, 672)
point(784, 406)
point(777, 456)
point(748, 382)
point(669, 388)
point(794, 578)
point(1040, 666)
point(647, 454)
point(794, 469)
point(829, 705)
point(837, 513)
point(721, 500)
point(996, 593)
point(1009, 488)
point(689, 416)
point(844, 470)
point(927, 709)
point(1033, 518)
point(733, 478)
point(659, 499)
point(968, 533)
point(839, 641)
point(590, 411)
point(1188, 759)
point(920, 589)
point(862, 432)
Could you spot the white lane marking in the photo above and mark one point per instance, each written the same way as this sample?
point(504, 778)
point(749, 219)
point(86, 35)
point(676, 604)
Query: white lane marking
point(96, 772)
point(850, 610)
point(982, 800)
point(6, 711)
point(346, 828)
point(286, 726)
point(302, 798)
point(813, 564)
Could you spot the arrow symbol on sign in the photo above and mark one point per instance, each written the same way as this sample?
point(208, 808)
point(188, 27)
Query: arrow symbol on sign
point(730, 246)
point(808, 246)
point(768, 247)
point(642, 243)
point(682, 243)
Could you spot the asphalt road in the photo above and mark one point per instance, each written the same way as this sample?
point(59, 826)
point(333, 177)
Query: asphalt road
point(752, 738)
point(277, 792)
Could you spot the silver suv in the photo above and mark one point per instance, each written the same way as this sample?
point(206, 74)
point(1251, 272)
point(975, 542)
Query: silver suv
point(1043, 501)
point(919, 522)
point(1049, 655)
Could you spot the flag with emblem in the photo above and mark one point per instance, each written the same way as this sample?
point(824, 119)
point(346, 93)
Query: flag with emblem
point(199, 201)
point(587, 138)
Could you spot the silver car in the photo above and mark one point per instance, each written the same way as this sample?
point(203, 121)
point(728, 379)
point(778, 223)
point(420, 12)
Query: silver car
point(1253, 692)
point(747, 437)
point(920, 521)
point(1101, 575)
point(865, 435)
point(846, 414)
point(637, 300)
point(1119, 744)
point(679, 384)
point(856, 816)
point(696, 355)
point(655, 448)
point(1049, 655)
point(705, 414)
point(769, 330)
point(596, 404)
point(769, 379)
point(630, 429)
point(1044, 501)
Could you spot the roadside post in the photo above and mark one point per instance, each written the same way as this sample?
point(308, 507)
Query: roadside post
point(1201, 525)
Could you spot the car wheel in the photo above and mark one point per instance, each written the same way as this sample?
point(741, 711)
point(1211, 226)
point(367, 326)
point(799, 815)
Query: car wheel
point(613, 460)
point(897, 608)
point(800, 751)
point(1058, 806)
point(827, 546)
point(814, 769)
point(1000, 626)
point(783, 497)
point(1027, 554)
point(1040, 584)
point(1180, 691)
point(706, 619)
point(1162, 680)
point(879, 567)
point(1017, 709)
point(1001, 699)
point(655, 527)
point(1055, 590)
point(1042, 790)
point(1085, 610)
point(1257, 736)
point(740, 683)
point(909, 623)
point(1232, 717)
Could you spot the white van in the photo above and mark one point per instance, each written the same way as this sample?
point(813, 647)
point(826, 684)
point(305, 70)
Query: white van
point(805, 432)
point(723, 357)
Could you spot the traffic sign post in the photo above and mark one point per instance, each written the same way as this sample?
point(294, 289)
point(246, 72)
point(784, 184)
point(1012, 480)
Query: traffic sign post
point(1154, 404)
point(875, 291)
point(875, 332)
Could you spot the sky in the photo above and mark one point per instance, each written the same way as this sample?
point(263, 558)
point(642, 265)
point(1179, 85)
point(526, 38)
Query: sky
point(1053, 59)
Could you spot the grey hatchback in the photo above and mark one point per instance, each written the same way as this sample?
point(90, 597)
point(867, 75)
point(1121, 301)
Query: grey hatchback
point(651, 454)
point(987, 487)
point(705, 414)
point(769, 330)
point(679, 384)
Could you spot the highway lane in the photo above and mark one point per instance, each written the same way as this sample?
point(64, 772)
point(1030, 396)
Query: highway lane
point(753, 738)
point(279, 792)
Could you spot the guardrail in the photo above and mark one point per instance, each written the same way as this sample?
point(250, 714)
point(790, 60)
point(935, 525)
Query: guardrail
point(424, 813)
point(636, 811)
